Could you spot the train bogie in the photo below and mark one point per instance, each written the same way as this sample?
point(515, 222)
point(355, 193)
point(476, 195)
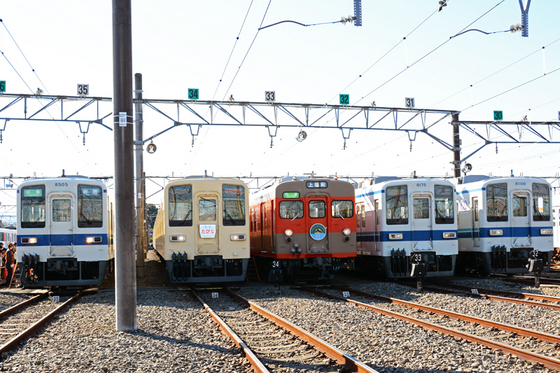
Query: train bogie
point(202, 231)
point(65, 230)
point(504, 222)
point(403, 221)
point(304, 226)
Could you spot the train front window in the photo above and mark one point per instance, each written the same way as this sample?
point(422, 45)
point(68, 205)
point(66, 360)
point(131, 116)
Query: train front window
point(61, 210)
point(317, 209)
point(445, 213)
point(291, 209)
point(342, 209)
point(233, 197)
point(496, 202)
point(541, 202)
point(519, 206)
point(397, 205)
point(421, 208)
point(90, 206)
point(206, 209)
point(33, 206)
point(180, 206)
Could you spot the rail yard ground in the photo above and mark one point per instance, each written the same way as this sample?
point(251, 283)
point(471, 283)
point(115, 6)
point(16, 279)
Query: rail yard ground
point(175, 334)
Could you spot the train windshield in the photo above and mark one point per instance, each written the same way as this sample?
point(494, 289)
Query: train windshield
point(233, 197)
point(541, 202)
point(317, 209)
point(497, 202)
point(291, 209)
point(206, 209)
point(90, 206)
point(180, 206)
point(445, 213)
point(397, 204)
point(33, 206)
point(342, 209)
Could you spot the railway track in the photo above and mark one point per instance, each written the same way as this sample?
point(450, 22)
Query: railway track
point(499, 295)
point(530, 345)
point(24, 319)
point(272, 343)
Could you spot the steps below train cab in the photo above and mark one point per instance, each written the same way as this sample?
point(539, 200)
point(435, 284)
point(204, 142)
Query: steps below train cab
point(252, 271)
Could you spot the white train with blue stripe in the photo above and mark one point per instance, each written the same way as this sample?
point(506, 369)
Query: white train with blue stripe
point(64, 228)
point(399, 218)
point(8, 235)
point(503, 222)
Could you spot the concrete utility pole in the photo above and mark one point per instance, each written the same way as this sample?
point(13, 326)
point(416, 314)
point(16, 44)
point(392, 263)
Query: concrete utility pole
point(125, 263)
point(140, 198)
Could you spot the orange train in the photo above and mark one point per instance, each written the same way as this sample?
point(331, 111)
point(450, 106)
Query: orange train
point(302, 227)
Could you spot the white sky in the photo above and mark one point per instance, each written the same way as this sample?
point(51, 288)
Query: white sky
point(186, 44)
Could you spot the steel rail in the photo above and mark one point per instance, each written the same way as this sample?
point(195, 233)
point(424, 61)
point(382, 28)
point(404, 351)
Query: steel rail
point(12, 343)
point(472, 319)
point(344, 359)
point(468, 289)
point(523, 354)
point(257, 365)
point(20, 305)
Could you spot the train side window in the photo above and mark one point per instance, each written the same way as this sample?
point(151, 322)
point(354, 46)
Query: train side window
point(342, 209)
point(317, 209)
point(180, 206)
point(291, 209)
point(233, 197)
point(497, 202)
point(265, 219)
point(445, 213)
point(541, 202)
point(33, 206)
point(397, 204)
point(358, 216)
point(90, 206)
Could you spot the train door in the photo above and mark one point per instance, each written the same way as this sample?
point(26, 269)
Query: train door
point(475, 222)
point(361, 243)
point(266, 234)
point(422, 235)
point(207, 242)
point(318, 223)
point(61, 227)
point(377, 226)
point(521, 223)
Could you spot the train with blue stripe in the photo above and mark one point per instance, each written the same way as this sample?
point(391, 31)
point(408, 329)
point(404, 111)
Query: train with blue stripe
point(64, 232)
point(504, 222)
point(400, 222)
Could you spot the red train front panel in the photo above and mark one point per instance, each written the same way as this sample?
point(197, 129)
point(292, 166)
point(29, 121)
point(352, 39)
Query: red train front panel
point(305, 220)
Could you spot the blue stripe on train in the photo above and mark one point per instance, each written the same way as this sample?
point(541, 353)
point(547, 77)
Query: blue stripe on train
point(507, 232)
point(407, 236)
point(62, 239)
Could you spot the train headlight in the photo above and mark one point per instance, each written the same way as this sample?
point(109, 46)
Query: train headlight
point(178, 238)
point(449, 235)
point(346, 231)
point(395, 236)
point(90, 240)
point(546, 232)
point(496, 232)
point(29, 240)
point(238, 237)
point(288, 232)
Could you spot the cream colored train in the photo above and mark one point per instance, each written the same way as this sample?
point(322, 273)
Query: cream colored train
point(202, 230)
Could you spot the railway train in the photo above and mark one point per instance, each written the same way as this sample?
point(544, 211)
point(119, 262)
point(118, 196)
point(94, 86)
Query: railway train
point(405, 221)
point(504, 222)
point(64, 232)
point(303, 228)
point(202, 231)
point(8, 235)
